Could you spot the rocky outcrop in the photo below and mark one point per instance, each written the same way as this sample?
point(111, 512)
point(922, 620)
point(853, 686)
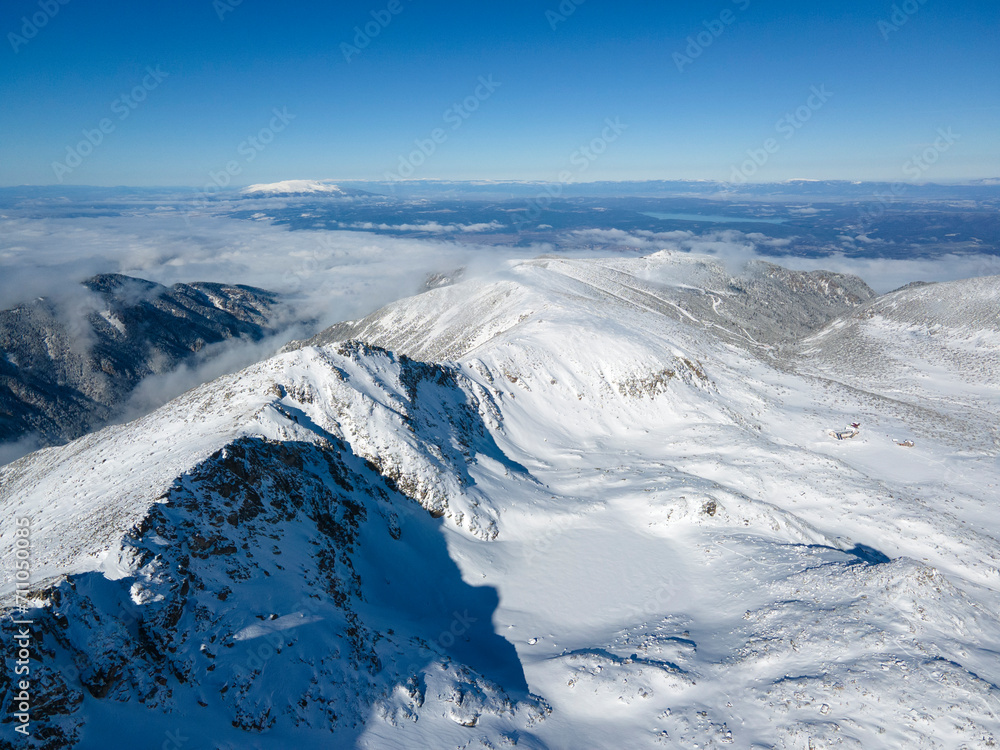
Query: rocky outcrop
point(278, 586)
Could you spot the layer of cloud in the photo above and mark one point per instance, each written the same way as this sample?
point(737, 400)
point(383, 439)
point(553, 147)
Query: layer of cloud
point(330, 276)
point(325, 276)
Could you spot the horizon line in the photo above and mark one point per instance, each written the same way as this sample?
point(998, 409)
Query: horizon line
point(488, 181)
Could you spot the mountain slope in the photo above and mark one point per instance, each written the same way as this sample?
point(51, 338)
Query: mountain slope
point(635, 497)
point(759, 305)
point(175, 565)
point(932, 347)
point(255, 609)
point(65, 373)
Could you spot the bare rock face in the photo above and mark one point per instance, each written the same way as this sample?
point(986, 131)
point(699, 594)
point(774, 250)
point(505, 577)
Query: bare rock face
point(67, 368)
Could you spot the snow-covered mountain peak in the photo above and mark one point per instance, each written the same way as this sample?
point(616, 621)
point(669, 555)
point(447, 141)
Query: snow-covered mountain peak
point(757, 305)
point(297, 188)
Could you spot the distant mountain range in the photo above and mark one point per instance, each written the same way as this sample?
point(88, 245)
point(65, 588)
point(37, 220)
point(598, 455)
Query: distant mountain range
point(711, 189)
point(65, 373)
point(861, 190)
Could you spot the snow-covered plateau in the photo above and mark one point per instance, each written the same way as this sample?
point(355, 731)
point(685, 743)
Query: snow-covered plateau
point(577, 504)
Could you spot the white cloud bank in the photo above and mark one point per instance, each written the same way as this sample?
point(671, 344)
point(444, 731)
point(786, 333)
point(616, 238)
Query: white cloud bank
point(335, 275)
point(327, 276)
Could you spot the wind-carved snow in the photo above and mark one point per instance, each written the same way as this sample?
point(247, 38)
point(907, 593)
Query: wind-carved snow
point(638, 500)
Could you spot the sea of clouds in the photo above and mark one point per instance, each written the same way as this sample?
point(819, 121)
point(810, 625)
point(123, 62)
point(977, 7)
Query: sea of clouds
point(327, 276)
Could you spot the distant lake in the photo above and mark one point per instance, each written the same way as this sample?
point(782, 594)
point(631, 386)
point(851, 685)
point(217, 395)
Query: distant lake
point(715, 219)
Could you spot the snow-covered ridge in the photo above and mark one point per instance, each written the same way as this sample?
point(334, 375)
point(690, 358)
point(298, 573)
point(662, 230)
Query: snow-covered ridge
point(759, 306)
point(631, 490)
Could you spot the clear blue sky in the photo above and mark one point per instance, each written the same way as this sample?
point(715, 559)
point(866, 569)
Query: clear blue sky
point(557, 87)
